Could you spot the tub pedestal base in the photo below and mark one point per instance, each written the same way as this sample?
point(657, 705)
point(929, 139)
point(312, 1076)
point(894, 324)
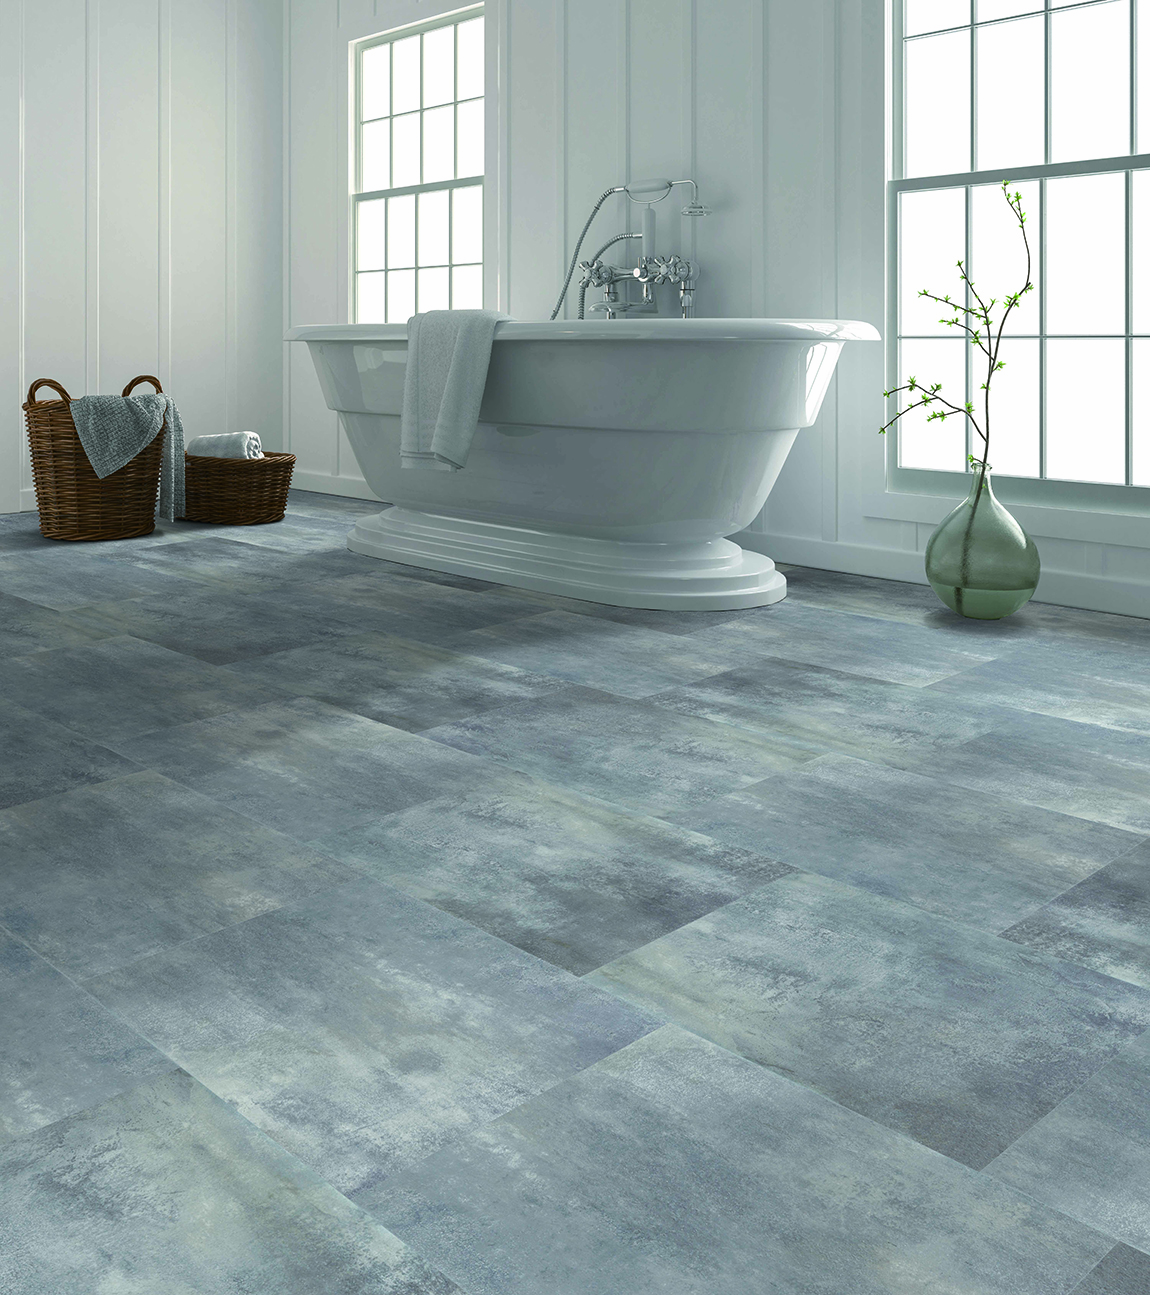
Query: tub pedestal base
point(696, 575)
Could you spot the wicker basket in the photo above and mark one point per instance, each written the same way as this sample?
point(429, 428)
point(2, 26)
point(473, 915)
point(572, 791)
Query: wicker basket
point(74, 503)
point(236, 492)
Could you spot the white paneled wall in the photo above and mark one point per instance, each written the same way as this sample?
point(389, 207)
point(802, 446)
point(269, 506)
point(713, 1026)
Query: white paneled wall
point(777, 109)
point(141, 208)
point(173, 193)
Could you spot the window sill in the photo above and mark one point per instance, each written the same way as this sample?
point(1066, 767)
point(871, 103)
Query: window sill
point(1088, 512)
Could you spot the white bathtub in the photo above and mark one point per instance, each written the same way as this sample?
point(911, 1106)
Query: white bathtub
point(611, 460)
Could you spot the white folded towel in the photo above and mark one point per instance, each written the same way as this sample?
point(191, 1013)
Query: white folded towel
point(447, 356)
point(227, 445)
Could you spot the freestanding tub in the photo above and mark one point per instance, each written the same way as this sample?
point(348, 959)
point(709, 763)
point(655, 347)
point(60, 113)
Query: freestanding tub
point(611, 460)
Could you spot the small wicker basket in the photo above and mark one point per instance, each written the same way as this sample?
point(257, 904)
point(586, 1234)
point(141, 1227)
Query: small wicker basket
point(73, 502)
point(237, 492)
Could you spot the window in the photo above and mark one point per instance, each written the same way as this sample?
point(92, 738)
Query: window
point(1055, 98)
point(417, 202)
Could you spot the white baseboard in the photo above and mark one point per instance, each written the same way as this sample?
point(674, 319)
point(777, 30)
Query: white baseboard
point(28, 500)
point(325, 483)
point(1065, 588)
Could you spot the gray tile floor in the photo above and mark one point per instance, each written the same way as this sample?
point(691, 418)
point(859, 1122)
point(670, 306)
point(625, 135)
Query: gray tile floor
point(372, 930)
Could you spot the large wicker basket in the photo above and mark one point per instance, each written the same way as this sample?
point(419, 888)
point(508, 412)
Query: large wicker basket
point(74, 503)
point(237, 492)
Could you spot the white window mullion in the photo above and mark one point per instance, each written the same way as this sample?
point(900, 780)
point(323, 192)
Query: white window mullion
point(1054, 38)
point(433, 84)
point(1041, 290)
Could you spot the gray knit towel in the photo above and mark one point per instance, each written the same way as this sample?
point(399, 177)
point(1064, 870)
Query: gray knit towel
point(114, 429)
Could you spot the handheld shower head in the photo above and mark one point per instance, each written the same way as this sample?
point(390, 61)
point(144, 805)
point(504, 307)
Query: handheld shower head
point(647, 190)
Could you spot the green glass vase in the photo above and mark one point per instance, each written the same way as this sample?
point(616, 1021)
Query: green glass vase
point(979, 561)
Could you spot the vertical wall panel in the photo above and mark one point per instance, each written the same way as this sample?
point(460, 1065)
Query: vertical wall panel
point(314, 216)
point(660, 134)
point(11, 289)
point(354, 15)
point(800, 225)
point(55, 188)
point(728, 166)
point(532, 180)
point(198, 214)
point(861, 278)
point(594, 124)
point(128, 200)
point(800, 144)
point(258, 234)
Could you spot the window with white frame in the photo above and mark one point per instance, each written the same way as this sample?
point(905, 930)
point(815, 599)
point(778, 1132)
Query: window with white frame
point(1055, 98)
point(417, 200)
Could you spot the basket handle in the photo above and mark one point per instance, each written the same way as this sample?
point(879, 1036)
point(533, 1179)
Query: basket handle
point(144, 377)
point(47, 382)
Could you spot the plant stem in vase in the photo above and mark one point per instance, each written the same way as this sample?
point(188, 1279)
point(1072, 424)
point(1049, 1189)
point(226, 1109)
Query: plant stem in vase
point(979, 561)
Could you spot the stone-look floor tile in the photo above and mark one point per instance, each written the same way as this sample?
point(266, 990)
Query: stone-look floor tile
point(624, 751)
point(221, 627)
point(863, 645)
point(101, 876)
point(223, 562)
point(1103, 922)
point(310, 503)
point(365, 1030)
point(62, 1050)
point(666, 622)
point(39, 756)
point(308, 768)
point(983, 860)
point(1090, 1156)
point(1093, 683)
point(674, 1166)
point(20, 532)
point(72, 575)
point(1124, 1271)
point(841, 591)
point(832, 710)
point(426, 575)
point(916, 604)
point(166, 1190)
point(571, 880)
point(626, 660)
point(1070, 624)
point(115, 689)
point(900, 600)
point(422, 610)
point(1081, 769)
point(409, 685)
point(27, 627)
point(297, 533)
point(958, 1039)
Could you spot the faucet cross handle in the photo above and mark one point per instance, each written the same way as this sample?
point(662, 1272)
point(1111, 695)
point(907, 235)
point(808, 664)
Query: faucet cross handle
point(663, 269)
point(596, 275)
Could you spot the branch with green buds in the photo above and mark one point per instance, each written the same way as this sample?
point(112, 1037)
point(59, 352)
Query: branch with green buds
point(977, 321)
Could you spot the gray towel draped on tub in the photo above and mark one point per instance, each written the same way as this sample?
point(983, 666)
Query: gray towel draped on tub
point(447, 356)
point(114, 429)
